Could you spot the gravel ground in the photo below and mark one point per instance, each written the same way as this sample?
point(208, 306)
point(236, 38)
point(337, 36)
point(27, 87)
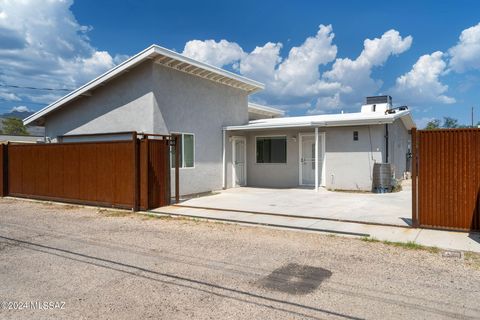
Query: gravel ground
point(112, 265)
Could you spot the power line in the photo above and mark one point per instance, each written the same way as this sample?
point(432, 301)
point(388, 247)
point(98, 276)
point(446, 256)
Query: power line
point(33, 88)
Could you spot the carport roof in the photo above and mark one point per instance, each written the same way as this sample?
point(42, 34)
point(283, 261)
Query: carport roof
point(329, 120)
point(161, 56)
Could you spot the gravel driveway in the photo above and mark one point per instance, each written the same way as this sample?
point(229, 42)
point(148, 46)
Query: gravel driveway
point(111, 265)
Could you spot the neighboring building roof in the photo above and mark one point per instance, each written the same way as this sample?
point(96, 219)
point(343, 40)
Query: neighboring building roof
point(166, 58)
point(329, 120)
point(14, 138)
point(264, 110)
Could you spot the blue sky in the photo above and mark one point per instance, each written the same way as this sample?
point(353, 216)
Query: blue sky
point(313, 56)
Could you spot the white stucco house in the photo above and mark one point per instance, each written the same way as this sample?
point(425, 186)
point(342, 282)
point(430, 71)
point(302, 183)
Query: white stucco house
point(227, 141)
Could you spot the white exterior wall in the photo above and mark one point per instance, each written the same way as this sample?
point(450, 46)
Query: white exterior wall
point(348, 163)
point(399, 145)
point(155, 99)
point(184, 103)
point(123, 104)
point(274, 175)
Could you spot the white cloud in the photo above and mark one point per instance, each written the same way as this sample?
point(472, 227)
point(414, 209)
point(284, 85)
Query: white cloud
point(355, 75)
point(20, 109)
point(260, 64)
point(465, 54)
point(297, 80)
point(326, 104)
point(299, 74)
point(9, 96)
point(215, 53)
point(41, 42)
point(422, 84)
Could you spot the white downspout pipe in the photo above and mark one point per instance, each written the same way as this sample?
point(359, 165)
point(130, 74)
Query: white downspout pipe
point(224, 164)
point(316, 159)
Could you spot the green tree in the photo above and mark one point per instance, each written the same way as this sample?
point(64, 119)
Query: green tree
point(14, 126)
point(433, 124)
point(449, 123)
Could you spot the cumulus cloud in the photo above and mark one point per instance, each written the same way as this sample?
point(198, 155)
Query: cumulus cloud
point(299, 74)
point(20, 109)
point(297, 80)
point(293, 80)
point(465, 54)
point(355, 75)
point(215, 53)
point(261, 63)
point(41, 42)
point(9, 96)
point(422, 83)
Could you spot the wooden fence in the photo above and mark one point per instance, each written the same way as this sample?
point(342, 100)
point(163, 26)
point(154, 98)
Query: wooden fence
point(124, 174)
point(446, 188)
point(154, 173)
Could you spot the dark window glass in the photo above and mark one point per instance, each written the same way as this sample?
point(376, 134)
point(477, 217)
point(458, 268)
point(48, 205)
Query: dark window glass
point(355, 135)
point(271, 150)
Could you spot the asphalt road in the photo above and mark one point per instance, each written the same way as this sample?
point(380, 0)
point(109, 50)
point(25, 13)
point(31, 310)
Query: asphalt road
point(81, 263)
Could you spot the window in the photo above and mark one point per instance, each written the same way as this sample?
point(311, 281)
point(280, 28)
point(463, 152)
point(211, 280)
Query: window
point(187, 151)
point(355, 135)
point(272, 149)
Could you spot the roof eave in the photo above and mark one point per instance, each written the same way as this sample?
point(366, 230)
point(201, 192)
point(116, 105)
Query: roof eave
point(312, 124)
point(115, 71)
point(148, 53)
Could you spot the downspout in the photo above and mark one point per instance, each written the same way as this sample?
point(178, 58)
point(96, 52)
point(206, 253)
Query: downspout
point(316, 159)
point(386, 143)
point(224, 165)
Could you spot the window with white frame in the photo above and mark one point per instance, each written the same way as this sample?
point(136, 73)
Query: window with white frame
point(271, 149)
point(187, 151)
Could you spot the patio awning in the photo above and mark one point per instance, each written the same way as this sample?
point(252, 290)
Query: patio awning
point(327, 120)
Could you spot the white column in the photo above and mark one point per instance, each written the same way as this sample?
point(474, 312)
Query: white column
point(316, 159)
point(224, 164)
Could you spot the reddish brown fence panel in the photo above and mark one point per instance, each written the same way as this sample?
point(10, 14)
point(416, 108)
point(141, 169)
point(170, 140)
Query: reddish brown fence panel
point(159, 173)
point(448, 187)
point(100, 173)
point(154, 172)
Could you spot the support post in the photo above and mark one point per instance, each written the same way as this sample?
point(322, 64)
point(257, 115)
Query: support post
point(177, 168)
point(224, 164)
point(136, 172)
point(316, 159)
point(2, 170)
point(414, 163)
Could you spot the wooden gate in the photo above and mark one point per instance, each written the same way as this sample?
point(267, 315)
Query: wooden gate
point(446, 194)
point(155, 172)
point(124, 174)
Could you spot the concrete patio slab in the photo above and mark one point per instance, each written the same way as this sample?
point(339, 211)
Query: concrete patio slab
point(388, 209)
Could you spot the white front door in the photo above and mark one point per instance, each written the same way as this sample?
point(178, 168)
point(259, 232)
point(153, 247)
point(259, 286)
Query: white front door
point(239, 159)
point(307, 159)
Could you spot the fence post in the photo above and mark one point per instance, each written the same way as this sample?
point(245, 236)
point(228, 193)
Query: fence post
point(168, 171)
point(136, 172)
point(177, 170)
point(414, 178)
point(2, 170)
